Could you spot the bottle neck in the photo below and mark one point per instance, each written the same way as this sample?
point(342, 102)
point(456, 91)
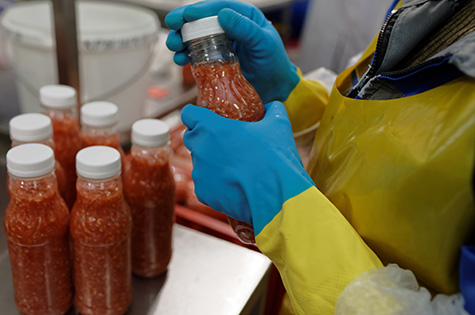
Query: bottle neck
point(103, 130)
point(100, 194)
point(108, 186)
point(25, 187)
point(211, 49)
point(113, 179)
point(153, 155)
point(139, 148)
point(69, 111)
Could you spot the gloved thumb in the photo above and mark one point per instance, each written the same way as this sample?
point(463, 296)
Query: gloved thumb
point(240, 28)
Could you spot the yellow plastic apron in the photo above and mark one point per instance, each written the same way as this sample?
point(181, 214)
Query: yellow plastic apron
point(401, 172)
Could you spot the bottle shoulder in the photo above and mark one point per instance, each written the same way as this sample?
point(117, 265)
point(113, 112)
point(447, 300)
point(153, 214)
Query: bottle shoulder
point(100, 215)
point(36, 212)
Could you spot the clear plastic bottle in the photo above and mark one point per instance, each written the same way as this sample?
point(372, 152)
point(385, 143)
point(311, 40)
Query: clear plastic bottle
point(37, 229)
point(101, 226)
point(37, 128)
point(99, 126)
point(59, 103)
point(149, 189)
point(221, 85)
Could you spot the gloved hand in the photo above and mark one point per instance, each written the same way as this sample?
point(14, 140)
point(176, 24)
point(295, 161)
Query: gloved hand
point(264, 61)
point(246, 170)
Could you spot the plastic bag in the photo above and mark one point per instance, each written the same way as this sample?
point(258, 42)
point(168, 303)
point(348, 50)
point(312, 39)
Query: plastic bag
point(392, 290)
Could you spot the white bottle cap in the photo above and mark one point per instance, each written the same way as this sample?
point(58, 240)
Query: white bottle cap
point(99, 114)
point(150, 133)
point(58, 96)
point(30, 160)
point(201, 28)
point(31, 127)
point(98, 162)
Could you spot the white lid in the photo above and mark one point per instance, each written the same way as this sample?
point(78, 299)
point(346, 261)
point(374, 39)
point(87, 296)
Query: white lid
point(101, 25)
point(99, 114)
point(150, 133)
point(98, 162)
point(30, 127)
point(30, 160)
point(58, 96)
point(201, 28)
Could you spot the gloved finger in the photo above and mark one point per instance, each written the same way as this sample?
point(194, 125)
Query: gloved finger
point(182, 58)
point(174, 19)
point(212, 7)
point(240, 28)
point(189, 119)
point(174, 41)
point(191, 115)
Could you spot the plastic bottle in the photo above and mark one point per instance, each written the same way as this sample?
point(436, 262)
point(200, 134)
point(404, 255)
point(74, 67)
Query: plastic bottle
point(101, 226)
point(36, 226)
point(37, 128)
point(99, 126)
point(221, 85)
point(149, 189)
point(59, 103)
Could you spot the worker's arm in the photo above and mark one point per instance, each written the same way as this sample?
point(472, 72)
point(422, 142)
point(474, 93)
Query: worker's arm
point(316, 251)
point(306, 103)
point(251, 171)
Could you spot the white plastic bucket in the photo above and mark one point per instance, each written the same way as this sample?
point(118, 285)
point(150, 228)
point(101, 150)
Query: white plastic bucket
point(115, 42)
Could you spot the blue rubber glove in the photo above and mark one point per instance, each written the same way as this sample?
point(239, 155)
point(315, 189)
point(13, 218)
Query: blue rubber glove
point(264, 61)
point(246, 170)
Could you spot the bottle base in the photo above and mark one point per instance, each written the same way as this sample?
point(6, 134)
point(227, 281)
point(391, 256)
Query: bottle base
point(151, 270)
point(244, 231)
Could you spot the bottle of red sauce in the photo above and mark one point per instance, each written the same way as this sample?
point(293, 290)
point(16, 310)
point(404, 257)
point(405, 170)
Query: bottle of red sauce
point(101, 226)
point(37, 128)
point(59, 103)
point(36, 226)
point(99, 126)
point(221, 85)
point(149, 189)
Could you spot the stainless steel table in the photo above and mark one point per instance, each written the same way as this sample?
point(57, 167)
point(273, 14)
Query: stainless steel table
point(211, 276)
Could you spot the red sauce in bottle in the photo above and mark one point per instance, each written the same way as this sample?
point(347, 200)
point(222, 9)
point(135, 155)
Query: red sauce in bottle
point(67, 144)
point(100, 228)
point(110, 140)
point(223, 89)
point(36, 226)
point(62, 180)
point(89, 137)
point(150, 192)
